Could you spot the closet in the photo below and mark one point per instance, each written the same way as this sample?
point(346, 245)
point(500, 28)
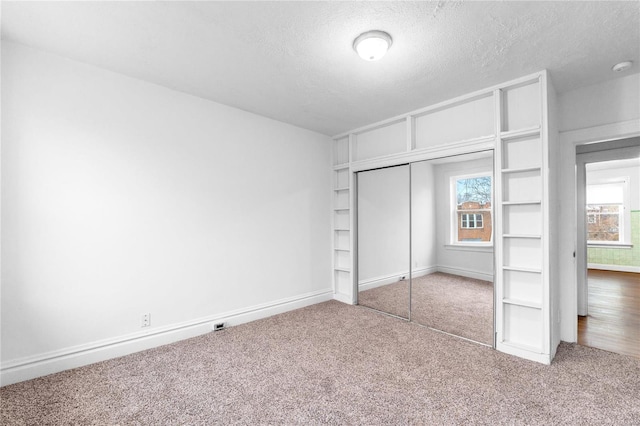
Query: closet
point(514, 121)
point(424, 237)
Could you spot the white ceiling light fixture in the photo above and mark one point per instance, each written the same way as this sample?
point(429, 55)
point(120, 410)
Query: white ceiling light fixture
point(622, 66)
point(372, 45)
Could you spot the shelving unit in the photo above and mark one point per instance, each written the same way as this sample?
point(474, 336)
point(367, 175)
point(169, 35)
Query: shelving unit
point(521, 265)
point(341, 221)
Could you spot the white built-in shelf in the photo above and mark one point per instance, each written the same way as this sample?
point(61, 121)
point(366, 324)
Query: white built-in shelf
point(342, 269)
point(521, 346)
point(533, 237)
point(341, 249)
point(513, 134)
point(344, 188)
point(341, 166)
point(340, 208)
point(341, 229)
point(522, 170)
point(523, 303)
point(519, 269)
point(523, 202)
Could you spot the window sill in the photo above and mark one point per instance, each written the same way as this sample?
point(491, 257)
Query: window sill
point(481, 248)
point(610, 245)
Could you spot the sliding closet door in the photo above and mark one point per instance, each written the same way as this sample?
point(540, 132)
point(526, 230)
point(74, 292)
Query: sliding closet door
point(383, 208)
point(452, 245)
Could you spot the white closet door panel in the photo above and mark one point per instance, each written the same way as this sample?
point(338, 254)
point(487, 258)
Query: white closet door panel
point(521, 107)
point(522, 219)
point(525, 286)
point(523, 326)
point(522, 186)
point(522, 153)
point(523, 253)
point(391, 139)
point(469, 120)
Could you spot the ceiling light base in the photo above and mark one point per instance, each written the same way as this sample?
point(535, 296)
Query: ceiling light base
point(622, 66)
point(372, 45)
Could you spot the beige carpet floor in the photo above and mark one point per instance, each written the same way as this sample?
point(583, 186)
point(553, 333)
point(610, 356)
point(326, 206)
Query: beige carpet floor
point(391, 298)
point(333, 364)
point(458, 305)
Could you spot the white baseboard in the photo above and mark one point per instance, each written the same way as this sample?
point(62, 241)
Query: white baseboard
point(531, 355)
point(344, 298)
point(53, 362)
point(466, 273)
point(390, 279)
point(617, 268)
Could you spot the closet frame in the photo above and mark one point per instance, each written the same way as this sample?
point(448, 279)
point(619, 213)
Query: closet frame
point(513, 120)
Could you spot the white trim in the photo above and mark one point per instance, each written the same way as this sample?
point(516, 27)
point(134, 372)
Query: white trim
point(605, 244)
point(527, 353)
point(479, 248)
point(392, 278)
point(469, 146)
point(469, 273)
point(469, 97)
point(602, 133)
point(617, 268)
point(547, 203)
point(568, 141)
point(624, 216)
point(344, 298)
point(581, 161)
point(77, 356)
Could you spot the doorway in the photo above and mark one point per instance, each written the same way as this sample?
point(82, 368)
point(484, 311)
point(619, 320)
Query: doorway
point(608, 266)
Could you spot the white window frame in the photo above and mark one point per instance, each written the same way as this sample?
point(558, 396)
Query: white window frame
point(453, 204)
point(625, 215)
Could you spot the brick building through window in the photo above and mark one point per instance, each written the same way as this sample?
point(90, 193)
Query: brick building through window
point(474, 221)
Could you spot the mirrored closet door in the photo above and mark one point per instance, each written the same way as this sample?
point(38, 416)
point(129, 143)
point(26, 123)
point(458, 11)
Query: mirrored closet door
point(452, 245)
point(383, 239)
point(425, 243)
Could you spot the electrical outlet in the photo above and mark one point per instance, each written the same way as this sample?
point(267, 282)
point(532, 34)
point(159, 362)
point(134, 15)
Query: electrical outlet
point(219, 326)
point(145, 320)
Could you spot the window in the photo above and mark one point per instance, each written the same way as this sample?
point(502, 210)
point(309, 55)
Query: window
point(471, 201)
point(605, 213)
point(471, 221)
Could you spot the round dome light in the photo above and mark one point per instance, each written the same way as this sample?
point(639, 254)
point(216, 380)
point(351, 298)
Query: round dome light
point(372, 45)
point(622, 66)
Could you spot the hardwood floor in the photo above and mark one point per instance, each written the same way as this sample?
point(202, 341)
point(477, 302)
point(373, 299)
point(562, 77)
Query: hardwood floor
point(613, 323)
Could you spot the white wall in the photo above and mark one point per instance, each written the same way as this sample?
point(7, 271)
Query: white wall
point(475, 262)
point(613, 101)
point(609, 110)
point(120, 197)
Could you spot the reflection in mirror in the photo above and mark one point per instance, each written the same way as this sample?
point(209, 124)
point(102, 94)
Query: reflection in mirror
point(383, 239)
point(452, 246)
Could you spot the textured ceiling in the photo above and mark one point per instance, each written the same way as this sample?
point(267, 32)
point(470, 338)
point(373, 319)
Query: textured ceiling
point(293, 61)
